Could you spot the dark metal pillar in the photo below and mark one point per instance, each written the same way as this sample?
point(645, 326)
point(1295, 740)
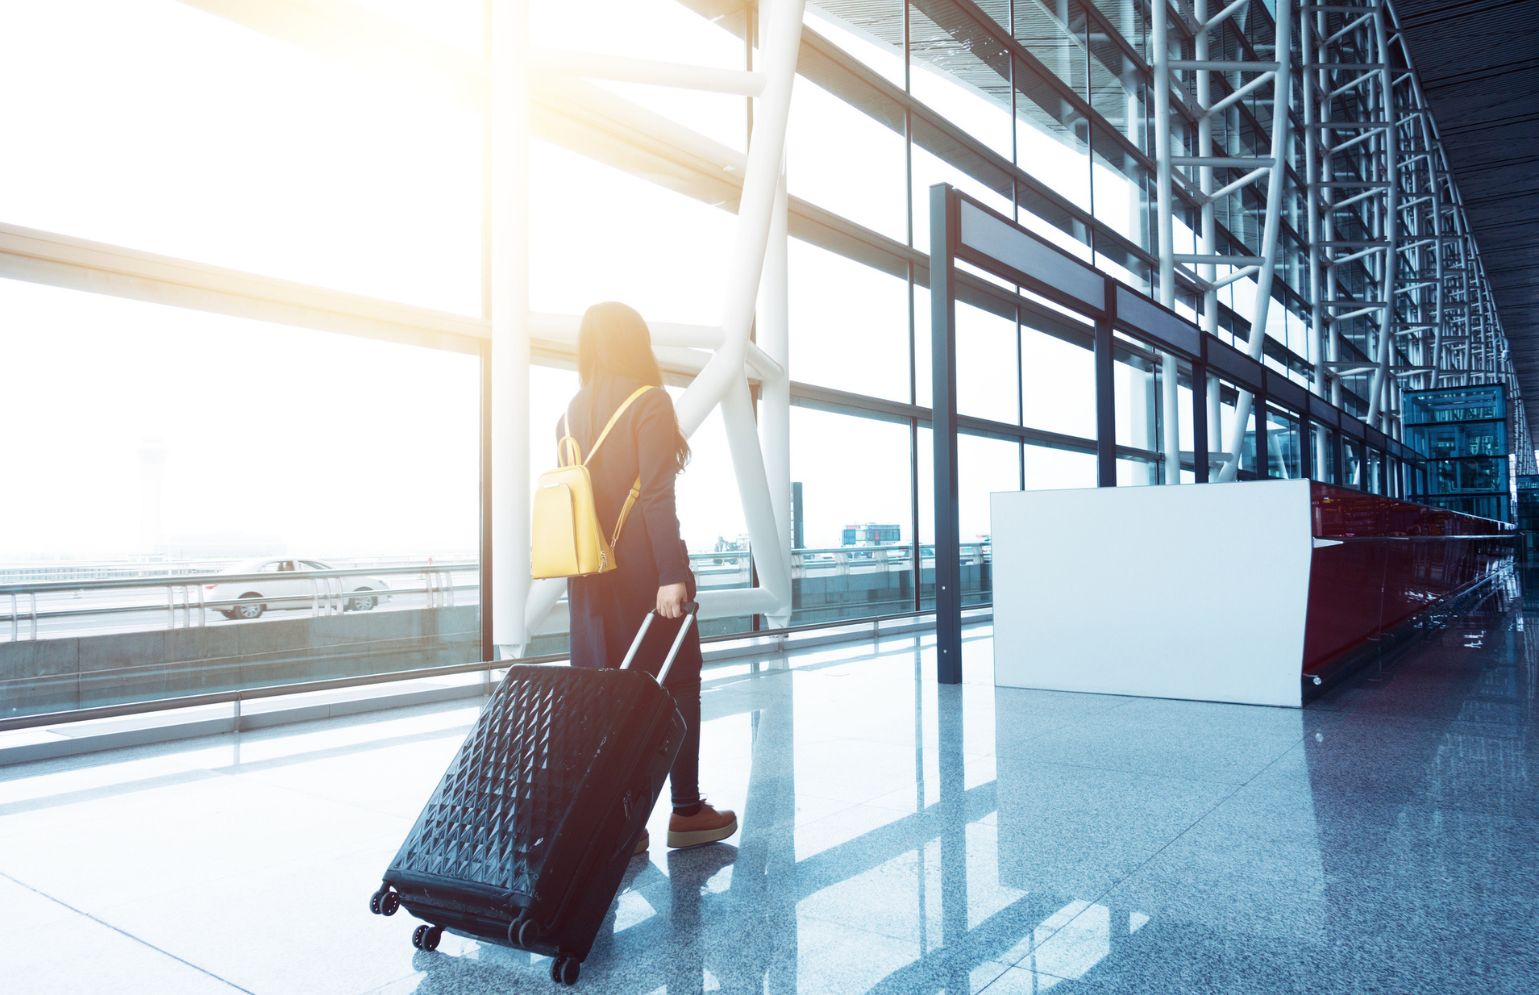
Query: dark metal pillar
point(1263, 455)
point(1105, 394)
point(943, 425)
point(1200, 390)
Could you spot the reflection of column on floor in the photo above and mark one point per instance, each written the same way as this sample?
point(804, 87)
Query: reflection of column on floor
point(953, 842)
point(919, 796)
point(685, 958)
point(763, 890)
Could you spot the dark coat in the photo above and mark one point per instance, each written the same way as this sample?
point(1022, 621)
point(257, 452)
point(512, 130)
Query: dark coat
point(607, 609)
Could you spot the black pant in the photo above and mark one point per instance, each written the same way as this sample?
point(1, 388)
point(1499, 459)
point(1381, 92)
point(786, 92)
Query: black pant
point(684, 778)
point(683, 682)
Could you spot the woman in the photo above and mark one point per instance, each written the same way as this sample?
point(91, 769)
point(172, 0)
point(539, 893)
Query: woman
point(614, 357)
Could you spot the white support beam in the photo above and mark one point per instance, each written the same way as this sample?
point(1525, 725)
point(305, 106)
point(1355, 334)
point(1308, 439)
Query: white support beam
point(1268, 247)
point(508, 132)
point(97, 267)
point(621, 69)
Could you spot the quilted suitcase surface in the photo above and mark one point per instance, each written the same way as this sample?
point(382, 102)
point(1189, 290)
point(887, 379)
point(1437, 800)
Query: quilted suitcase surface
point(527, 836)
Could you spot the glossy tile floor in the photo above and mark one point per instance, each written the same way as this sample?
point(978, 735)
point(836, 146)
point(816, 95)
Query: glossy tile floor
point(897, 837)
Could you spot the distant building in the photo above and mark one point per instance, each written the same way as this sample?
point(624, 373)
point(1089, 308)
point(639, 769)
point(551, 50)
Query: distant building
point(872, 534)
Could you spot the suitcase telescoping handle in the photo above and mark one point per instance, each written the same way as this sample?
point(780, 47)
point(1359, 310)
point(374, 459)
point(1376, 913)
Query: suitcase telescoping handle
point(690, 608)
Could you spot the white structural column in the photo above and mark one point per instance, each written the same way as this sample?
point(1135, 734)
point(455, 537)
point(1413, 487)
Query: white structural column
point(1170, 393)
point(1159, 40)
point(1268, 247)
point(774, 337)
point(1317, 338)
point(508, 106)
point(1390, 221)
point(724, 379)
point(757, 256)
point(1353, 204)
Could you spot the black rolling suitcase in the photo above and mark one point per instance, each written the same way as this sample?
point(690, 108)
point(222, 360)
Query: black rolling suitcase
point(527, 837)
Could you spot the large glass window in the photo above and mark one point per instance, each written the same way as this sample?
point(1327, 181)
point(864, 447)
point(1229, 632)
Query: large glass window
point(652, 29)
point(1323, 459)
point(948, 73)
point(1049, 469)
point(841, 158)
point(962, 169)
point(320, 492)
point(711, 518)
point(1136, 382)
point(1055, 34)
point(984, 466)
point(1227, 397)
point(1058, 382)
point(1284, 443)
point(885, 55)
point(156, 125)
point(312, 161)
point(1352, 461)
point(986, 358)
point(986, 365)
point(856, 516)
point(848, 324)
point(665, 254)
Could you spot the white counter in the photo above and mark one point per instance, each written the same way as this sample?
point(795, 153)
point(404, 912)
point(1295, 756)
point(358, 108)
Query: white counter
point(1192, 592)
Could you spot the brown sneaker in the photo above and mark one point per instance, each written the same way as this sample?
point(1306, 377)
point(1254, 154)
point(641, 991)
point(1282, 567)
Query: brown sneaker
point(642, 844)
point(706, 826)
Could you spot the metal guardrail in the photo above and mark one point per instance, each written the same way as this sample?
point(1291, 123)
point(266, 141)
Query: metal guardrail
point(756, 643)
point(186, 604)
point(77, 571)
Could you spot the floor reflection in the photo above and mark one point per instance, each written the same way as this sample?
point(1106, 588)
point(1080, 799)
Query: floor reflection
point(897, 837)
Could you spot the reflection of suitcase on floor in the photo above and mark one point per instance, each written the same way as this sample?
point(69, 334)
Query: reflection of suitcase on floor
point(527, 836)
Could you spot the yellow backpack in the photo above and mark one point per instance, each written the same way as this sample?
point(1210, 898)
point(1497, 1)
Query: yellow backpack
point(567, 540)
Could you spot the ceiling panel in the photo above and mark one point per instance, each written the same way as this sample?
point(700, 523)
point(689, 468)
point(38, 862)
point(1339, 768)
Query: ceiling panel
point(1478, 61)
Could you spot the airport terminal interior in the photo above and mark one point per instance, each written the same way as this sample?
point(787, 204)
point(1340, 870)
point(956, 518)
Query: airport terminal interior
point(1108, 504)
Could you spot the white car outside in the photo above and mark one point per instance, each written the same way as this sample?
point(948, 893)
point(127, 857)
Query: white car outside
point(284, 584)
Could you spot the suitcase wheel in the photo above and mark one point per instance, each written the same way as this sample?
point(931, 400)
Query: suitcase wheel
point(565, 969)
point(384, 902)
point(521, 932)
point(426, 937)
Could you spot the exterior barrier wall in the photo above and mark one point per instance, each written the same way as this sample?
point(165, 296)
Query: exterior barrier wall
point(53, 675)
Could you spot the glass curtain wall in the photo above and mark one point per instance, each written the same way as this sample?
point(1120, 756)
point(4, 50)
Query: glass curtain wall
point(331, 173)
point(209, 493)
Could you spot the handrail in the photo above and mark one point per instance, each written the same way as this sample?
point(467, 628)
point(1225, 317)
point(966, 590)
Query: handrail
point(977, 613)
point(889, 550)
point(1502, 536)
point(185, 604)
point(180, 580)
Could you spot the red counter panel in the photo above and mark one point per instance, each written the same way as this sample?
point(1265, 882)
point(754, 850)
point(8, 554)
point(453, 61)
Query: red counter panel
point(1378, 561)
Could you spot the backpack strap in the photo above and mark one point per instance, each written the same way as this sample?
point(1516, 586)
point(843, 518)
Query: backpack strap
point(613, 419)
point(630, 499)
point(568, 452)
point(625, 511)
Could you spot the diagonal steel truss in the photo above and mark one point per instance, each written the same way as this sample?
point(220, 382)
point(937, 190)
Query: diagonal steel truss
point(1398, 295)
point(1214, 165)
point(1353, 204)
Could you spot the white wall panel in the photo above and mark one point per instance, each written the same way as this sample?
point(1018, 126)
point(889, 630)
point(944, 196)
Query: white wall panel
point(1170, 592)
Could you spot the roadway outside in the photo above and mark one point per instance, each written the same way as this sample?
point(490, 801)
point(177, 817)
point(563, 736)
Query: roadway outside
point(176, 596)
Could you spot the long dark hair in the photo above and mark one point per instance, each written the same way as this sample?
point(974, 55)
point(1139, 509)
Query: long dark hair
point(613, 340)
